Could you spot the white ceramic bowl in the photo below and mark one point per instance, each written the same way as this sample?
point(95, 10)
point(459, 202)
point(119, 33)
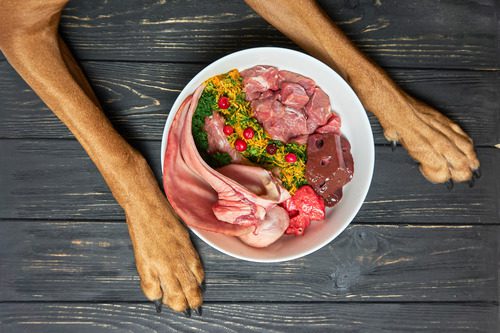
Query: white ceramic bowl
point(355, 126)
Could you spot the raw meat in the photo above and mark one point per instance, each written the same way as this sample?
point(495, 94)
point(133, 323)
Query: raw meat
point(307, 83)
point(281, 122)
point(293, 95)
point(317, 110)
point(270, 229)
point(259, 79)
point(329, 165)
point(217, 140)
point(332, 125)
point(305, 206)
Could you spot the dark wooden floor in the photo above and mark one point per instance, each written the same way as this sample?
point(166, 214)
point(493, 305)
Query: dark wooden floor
point(416, 258)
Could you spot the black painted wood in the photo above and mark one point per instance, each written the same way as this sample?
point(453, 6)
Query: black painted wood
point(83, 261)
point(258, 317)
point(138, 96)
point(54, 179)
point(425, 33)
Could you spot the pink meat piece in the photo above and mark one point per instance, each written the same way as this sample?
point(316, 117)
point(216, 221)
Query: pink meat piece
point(286, 122)
point(270, 230)
point(217, 140)
point(267, 93)
point(259, 79)
point(332, 126)
point(317, 110)
point(263, 109)
point(293, 95)
point(233, 197)
point(307, 83)
point(281, 122)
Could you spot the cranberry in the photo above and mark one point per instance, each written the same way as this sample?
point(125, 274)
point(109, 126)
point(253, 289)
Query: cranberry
point(223, 102)
point(248, 133)
point(271, 149)
point(240, 145)
point(290, 157)
point(228, 130)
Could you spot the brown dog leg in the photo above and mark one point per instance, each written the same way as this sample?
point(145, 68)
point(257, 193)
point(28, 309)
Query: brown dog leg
point(441, 147)
point(168, 265)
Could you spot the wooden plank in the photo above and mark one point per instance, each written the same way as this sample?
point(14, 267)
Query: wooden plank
point(138, 96)
point(84, 261)
point(54, 179)
point(134, 317)
point(448, 33)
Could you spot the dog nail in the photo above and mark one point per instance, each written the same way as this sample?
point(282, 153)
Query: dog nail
point(449, 185)
point(394, 144)
point(477, 173)
point(157, 304)
point(198, 311)
point(471, 182)
point(187, 313)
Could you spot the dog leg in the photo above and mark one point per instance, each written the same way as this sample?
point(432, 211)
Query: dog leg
point(445, 152)
point(168, 264)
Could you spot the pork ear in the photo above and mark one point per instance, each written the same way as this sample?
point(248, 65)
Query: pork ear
point(191, 197)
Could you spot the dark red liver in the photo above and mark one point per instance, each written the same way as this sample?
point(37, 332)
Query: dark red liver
point(329, 165)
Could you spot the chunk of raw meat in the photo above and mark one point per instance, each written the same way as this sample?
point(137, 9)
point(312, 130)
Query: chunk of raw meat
point(270, 229)
point(307, 83)
point(317, 110)
point(305, 206)
point(329, 165)
point(268, 93)
point(293, 95)
point(281, 122)
point(259, 79)
point(217, 140)
point(332, 126)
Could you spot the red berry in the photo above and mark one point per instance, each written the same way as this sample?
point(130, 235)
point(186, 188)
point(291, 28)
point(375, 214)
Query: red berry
point(240, 145)
point(223, 102)
point(290, 157)
point(228, 130)
point(248, 133)
point(271, 149)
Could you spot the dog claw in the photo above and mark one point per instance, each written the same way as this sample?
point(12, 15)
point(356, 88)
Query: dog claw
point(187, 313)
point(477, 173)
point(198, 311)
point(394, 144)
point(471, 182)
point(449, 185)
point(157, 304)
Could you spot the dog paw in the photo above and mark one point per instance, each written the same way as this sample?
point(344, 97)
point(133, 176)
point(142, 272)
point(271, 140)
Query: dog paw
point(169, 266)
point(445, 152)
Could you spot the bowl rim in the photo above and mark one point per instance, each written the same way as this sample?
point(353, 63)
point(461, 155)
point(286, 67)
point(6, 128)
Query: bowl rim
point(370, 151)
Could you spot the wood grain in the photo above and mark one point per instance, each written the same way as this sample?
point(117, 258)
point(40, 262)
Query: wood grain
point(138, 317)
point(84, 261)
point(54, 179)
point(451, 34)
point(138, 96)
